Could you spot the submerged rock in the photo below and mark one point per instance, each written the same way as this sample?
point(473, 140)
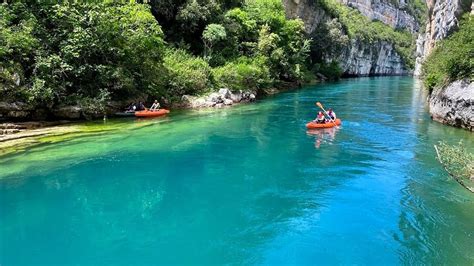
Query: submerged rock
point(454, 104)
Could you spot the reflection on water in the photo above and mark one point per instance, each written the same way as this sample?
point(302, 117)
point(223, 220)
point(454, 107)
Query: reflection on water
point(322, 136)
point(246, 185)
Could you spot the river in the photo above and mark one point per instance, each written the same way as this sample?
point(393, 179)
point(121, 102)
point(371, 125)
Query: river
point(246, 185)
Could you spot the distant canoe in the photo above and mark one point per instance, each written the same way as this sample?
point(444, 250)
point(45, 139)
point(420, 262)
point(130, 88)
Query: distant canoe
point(313, 125)
point(148, 113)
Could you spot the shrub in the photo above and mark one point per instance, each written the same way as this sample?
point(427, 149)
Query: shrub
point(186, 74)
point(243, 74)
point(331, 70)
point(453, 58)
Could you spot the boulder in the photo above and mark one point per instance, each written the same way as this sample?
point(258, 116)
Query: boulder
point(215, 97)
point(236, 97)
point(228, 102)
point(252, 97)
point(225, 93)
point(198, 103)
point(454, 104)
point(209, 104)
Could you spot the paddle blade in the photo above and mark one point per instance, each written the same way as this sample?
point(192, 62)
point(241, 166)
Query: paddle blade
point(319, 105)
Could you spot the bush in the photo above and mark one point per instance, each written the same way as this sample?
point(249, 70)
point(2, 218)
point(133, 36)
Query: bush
point(331, 70)
point(186, 74)
point(458, 162)
point(243, 74)
point(453, 58)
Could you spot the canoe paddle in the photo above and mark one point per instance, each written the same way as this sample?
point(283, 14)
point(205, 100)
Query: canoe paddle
point(318, 104)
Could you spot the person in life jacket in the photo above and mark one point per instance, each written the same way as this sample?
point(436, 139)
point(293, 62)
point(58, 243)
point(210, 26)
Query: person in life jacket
point(320, 119)
point(331, 114)
point(155, 106)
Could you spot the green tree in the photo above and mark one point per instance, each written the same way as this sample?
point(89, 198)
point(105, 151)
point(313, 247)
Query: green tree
point(186, 74)
point(213, 34)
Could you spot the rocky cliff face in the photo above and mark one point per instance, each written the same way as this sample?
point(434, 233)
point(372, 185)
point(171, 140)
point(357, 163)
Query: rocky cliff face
point(454, 104)
point(443, 18)
point(385, 12)
point(307, 11)
point(358, 58)
point(379, 58)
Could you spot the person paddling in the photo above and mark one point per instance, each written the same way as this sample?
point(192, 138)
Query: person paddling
point(155, 106)
point(320, 119)
point(331, 114)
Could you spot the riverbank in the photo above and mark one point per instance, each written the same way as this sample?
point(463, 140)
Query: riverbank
point(15, 133)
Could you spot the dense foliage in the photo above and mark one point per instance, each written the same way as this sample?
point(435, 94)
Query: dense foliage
point(453, 58)
point(73, 53)
point(87, 54)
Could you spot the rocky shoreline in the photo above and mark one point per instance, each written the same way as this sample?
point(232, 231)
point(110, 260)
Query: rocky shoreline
point(13, 114)
point(224, 97)
point(453, 104)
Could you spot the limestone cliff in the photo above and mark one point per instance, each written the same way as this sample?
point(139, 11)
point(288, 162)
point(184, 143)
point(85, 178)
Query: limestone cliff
point(443, 18)
point(386, 12)
point(359, 58)
point(379, 58)
point(451, 104)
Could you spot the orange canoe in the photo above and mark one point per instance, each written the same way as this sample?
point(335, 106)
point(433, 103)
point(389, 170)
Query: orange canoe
point(313, 125)
point(148, 113)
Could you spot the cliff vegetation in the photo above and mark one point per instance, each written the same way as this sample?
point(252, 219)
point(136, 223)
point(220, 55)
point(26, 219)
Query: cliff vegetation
point(453, 57)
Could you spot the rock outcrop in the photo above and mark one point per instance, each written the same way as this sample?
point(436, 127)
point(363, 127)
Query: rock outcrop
point(443, 18)
point(385, 12)
point(308, 11)
point(358, 58)
point(379, 58)
point(224, 97)
point(454, 104)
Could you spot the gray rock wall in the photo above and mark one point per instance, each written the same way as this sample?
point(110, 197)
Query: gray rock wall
point(358, 58)
point(443, 19)
point(454, 104)
point(385, 12)
point(379, 58)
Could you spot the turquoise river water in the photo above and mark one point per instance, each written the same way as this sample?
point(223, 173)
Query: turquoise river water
point(246, 185)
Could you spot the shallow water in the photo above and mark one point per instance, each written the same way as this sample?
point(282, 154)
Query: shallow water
point(246, 185)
